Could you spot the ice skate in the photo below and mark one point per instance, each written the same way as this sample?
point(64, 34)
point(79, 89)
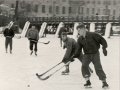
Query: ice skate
point(88, 84)
point(105, 85)
point(66, 72)
point(10, 51)
point(35, 53)
point(31, 53)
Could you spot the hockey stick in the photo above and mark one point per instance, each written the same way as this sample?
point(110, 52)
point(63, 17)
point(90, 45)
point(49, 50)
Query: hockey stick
point(44, 42)
point(18, 37)
point(45, 78)
point(49, 70)
point(41, 42)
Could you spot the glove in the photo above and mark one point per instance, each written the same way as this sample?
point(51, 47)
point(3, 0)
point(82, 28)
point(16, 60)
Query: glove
point(104, 51)
point(65, 60)
point(72, 60)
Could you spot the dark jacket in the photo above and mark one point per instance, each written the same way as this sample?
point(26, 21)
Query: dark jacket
point(91, 43)
point(33, 34)
point(71, 46)
point(9, 33)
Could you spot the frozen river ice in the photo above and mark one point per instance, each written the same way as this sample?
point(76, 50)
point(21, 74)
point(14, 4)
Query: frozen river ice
point(17, 70)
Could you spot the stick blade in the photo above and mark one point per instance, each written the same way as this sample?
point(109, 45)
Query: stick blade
point(39, 75)
point(47, 42)
point(40, 78)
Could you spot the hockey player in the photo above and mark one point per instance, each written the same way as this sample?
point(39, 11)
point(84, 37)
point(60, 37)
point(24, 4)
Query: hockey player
point(71, 48)
point(33, 37)
point(9, 34)
point(90, 43)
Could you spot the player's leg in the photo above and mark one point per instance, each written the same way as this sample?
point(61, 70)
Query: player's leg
point(80, 58)
point(31, 47)
point(6, 44)
point(35, 49)
point(99, 70)
point(85, 69)
point(10, 42)
point(66, 71)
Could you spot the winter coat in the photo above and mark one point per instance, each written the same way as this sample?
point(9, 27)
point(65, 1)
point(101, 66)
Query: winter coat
point(33, 34)
point(71, 48)
point(91, 43)
point(8, 33)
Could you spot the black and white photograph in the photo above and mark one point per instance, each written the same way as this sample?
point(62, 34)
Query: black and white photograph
point(59, 44)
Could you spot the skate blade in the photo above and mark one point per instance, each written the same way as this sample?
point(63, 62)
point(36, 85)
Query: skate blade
point(88, 86)
point(106, 87)
point(65, 73)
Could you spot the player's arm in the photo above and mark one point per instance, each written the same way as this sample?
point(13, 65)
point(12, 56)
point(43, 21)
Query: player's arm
point(103, 42)
point(67, 55)
point(98, 38)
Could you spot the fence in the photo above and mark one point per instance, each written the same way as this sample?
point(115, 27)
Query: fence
point(55, 20)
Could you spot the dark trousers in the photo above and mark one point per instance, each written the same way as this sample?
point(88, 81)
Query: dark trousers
point(8, 41)
point(95, 59)
point(33, 43)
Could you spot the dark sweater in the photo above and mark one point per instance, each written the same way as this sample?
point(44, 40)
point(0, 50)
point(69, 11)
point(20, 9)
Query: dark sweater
point(91, 43)
point(8, 33)
point(71, 46)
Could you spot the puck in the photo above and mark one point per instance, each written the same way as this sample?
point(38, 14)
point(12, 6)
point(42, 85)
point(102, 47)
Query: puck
point(28, 85)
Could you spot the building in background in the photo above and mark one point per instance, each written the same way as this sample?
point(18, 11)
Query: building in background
point(65, 8)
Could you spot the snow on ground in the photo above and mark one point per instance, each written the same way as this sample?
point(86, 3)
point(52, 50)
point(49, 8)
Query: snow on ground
point(17, 70)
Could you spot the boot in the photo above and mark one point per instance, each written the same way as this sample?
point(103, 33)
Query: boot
point(88, 84)
point(35, 53)
point(31, 52)
point(105, 85)
point(66, 72)
point(10, 51)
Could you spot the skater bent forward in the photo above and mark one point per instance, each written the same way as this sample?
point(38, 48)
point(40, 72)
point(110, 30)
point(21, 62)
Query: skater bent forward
point(71, 49)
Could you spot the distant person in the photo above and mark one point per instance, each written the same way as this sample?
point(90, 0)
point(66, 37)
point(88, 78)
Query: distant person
point(33, 37)
point(9, 34)
point(102, 30)
point(45, 32)
point(62, 29)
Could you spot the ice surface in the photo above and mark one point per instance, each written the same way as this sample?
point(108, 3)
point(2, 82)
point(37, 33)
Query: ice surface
point(17, 70)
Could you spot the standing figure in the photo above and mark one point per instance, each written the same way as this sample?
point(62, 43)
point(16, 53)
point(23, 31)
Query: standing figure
point(45, 32)
point(9, 34)
point(90, 43)
point(33, 37)
point(62, 29)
